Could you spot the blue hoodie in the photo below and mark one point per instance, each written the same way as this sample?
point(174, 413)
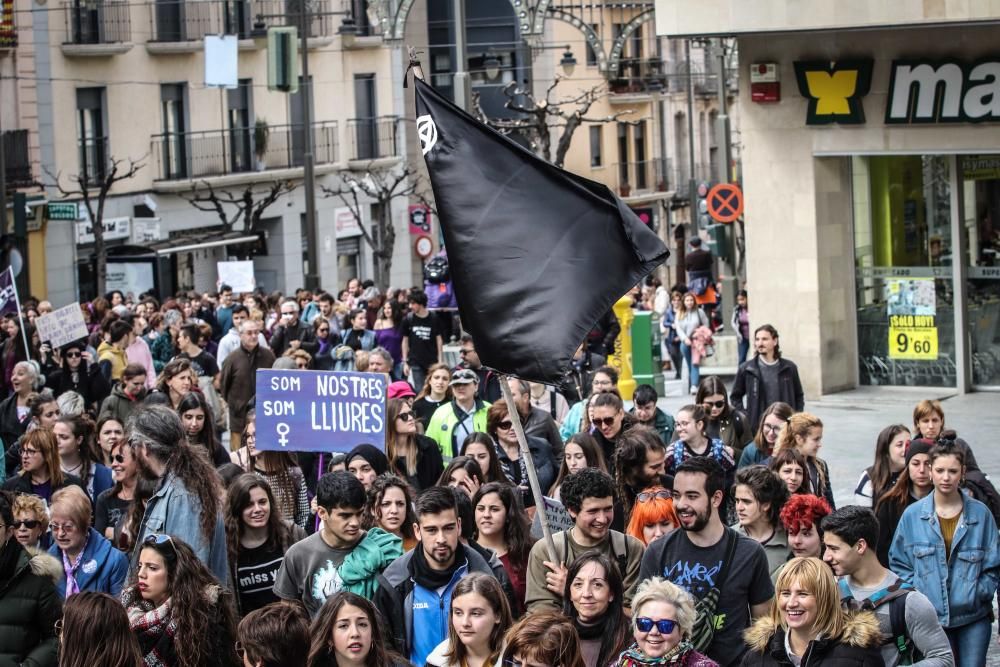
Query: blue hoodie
point(102, 568)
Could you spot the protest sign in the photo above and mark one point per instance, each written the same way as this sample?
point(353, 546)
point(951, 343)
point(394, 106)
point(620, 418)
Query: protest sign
point(238, 275)
point(319, 411)
point(555, 512)
point(62, 326)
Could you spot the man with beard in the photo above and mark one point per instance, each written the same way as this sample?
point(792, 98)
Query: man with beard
point(705, 555)
point(187, 504)
point(414, 593)
point(589, 497)
point(536, 422)
point(639, 461)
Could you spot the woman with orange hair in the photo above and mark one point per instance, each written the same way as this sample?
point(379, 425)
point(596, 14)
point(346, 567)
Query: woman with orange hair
point(653, 515)
point(801, 517)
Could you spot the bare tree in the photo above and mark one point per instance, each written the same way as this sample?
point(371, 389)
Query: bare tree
point(93, 190)
point(539, 119)
point(379, 187)
point(242, 210)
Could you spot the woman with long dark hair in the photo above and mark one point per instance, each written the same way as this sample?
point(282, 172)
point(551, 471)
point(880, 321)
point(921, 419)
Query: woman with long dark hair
point(327, 341)
point(761, 448)
point(113, 503)
point(78, 453)
point(411, 455)
point(90, 615)
point(607, 421)
point(176, 608)
point(503, 526)
point(890, 459)
point(722, 421)
point(388, 329)
point(500, 427)
point(594, 600)
point(914, 483)
point(693, 440)
point(433, 394)
point(482, 448)
point(390, 507)
point(349, 632)
point(78, 373)
point(256, 540)
point(462, 473)
point(199, 426)
point(478, 618)
point(581, 451)
point(280, 470)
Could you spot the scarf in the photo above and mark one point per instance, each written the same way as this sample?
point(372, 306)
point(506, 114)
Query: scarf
point(432, 579)
point(634, 657)
point(72, 588)
point(507, 466)
point(591, 630)
point(154, 627)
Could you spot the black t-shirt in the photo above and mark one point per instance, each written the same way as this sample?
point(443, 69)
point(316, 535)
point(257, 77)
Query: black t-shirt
point(256, 570)
point(203, 364)
point(425, 407)
point(695, 569)
point(108, 509)
point(421, 333)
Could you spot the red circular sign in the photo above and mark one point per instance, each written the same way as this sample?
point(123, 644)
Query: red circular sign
point(725, 202)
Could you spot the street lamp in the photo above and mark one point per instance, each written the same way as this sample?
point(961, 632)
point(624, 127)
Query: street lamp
point(568, 62)
point(491, 67)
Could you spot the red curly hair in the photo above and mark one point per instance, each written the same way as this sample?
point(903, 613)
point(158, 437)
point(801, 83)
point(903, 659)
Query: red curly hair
point(802, 511)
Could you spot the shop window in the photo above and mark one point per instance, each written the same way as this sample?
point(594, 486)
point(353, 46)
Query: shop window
point(981, 227)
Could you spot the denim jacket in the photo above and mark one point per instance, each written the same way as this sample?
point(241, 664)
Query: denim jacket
point(177, 512)
point(962, 587)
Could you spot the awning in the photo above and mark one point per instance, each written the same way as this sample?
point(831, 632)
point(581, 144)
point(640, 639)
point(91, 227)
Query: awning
point(189, 244)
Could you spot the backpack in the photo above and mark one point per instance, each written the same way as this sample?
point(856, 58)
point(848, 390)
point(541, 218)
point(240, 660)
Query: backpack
point(619, 546)
point(716, 451)
point(895, 597)
point(703, 630)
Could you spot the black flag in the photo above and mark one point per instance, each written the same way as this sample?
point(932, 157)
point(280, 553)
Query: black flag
point(537, 255)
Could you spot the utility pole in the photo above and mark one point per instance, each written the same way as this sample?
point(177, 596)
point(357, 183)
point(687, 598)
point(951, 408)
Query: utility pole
point(692, 180)
point(308, 157)
point(463, 89)
point(3, 180)
point(724, 142)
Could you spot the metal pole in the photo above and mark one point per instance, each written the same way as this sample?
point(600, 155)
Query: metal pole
point(723, 139)
point(463, 91)
point(3, 179)
point(692, 185)
point(308, 159)
point(529, 464)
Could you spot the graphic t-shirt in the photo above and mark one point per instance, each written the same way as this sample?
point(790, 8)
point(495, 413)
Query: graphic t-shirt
point(309, 573)
point(256, 571)
point(108, 510)
point(696, 570)
point(421, 333)
point(203, 364)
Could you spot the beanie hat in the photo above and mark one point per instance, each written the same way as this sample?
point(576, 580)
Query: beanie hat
point(918, 446)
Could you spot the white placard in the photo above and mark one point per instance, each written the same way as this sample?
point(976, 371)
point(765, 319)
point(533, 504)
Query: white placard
point(238, 275)
point(62, 326)
point(555, 512)
point(221, 56)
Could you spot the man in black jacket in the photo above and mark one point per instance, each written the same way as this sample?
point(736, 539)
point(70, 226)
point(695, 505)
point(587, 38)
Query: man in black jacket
point(766, 379)
point(292, 333)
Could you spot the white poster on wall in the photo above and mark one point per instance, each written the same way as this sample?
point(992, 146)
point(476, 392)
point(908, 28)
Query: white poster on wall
point(238, 275)
point(134, 277)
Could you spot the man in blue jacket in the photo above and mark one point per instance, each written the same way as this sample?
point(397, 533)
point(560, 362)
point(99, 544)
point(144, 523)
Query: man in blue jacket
point(415, 590)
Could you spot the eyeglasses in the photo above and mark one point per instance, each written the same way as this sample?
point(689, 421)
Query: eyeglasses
point(465, 352)
point(405, 416)
point(324, 330)
point(650, 495)
point(68, 527)
point(664, 625)
point(28, 451)
point(30, 524)
point(714, 404)
point(771, 428)
point(504, 425)
point(250, 437)
point(606, 421)
point(160, 539)
point(73, 355)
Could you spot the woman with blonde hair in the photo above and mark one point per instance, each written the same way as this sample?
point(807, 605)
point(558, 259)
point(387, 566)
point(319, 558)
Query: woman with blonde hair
point(543, 638)
point(808, 626)
point(663, 617)
point(652, 516)
point(478, 619)
point(804, 433)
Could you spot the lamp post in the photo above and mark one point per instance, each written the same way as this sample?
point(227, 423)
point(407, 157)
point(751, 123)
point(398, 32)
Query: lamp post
point(492, 64)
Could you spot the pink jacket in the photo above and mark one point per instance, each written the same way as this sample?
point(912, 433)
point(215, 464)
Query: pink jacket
point(700, 339)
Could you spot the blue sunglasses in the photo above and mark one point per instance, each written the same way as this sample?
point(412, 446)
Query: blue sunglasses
point(664, 625)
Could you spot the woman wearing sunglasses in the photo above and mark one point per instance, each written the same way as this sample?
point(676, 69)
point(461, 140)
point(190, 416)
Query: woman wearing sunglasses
point(89, 561)
point(501, 428)
point(412, 455)
point(652, 516)
point(114, 503)
point(808, 626)
point(723, 421)
point(593, 599)
point(663, 617)
point(608, 420)
point(78, 373)
point(31, 521)
point(177, 610)
point(890, 459)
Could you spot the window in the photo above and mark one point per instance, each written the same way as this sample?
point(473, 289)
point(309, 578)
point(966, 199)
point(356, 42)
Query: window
point(623, 153)
point(91, 134)
point(639, 153)
point(174, 144)
point(596, 137)
point(366, 136)
point(240, 125)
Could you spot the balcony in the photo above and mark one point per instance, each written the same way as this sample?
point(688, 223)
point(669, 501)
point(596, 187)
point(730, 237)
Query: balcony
point(373, 139)
point(97, 29)
point(16, 160)
point(177, 26)
point(642, 179)
point(636, 80)
point(234, 155)
point(277, 13)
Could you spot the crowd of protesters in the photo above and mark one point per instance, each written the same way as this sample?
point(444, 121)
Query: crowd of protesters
point(132, 535)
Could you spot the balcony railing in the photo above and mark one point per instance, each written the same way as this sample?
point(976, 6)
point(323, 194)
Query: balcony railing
point(16, 161)
point(233, 151)
point(638, 75)
point(642, 177)
point(373, 138)
point(101, 22)
point(181, 21)
point(276, 13)
point(94, 158)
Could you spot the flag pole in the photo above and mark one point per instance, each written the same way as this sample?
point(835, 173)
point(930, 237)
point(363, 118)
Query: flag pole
point(529, 464)
point(20, 316)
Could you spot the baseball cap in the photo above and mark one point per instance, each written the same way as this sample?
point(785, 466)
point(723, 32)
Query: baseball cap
point(400, 389)
point(463, 376)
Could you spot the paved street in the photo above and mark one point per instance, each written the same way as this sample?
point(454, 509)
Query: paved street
point(853, 419)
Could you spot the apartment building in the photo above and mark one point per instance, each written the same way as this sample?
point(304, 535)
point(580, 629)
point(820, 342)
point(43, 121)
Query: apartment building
point(112, 81)
point(871, 169)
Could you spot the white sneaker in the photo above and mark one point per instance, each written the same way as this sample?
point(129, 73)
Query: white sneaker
point(694, 390)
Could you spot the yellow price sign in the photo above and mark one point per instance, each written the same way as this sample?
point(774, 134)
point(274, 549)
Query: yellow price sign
point(918, 343)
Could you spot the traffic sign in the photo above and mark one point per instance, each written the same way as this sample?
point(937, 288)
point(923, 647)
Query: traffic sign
point(725, 202)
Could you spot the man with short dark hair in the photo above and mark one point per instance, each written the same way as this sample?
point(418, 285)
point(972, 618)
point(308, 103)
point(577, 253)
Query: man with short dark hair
point(274, 636)
point(414, 592)
point(224, 311)
point(705, 555)
point(640, 456)
point(589, 497)
point(423, 340)
point(340, 555)
point(907, 618)
point(644, 408)
point(203, 364)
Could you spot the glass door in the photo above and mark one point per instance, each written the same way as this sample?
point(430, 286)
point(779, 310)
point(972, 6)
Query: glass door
point(981, 226)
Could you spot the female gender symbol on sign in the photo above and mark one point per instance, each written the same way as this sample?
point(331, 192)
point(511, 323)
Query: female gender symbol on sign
point(725, 202)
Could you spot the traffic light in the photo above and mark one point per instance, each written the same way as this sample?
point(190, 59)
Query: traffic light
point(701, 205)
point(283, 59)
point(718, 240)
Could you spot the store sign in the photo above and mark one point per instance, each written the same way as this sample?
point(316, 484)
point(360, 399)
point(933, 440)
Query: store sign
point(114, 228)
point(913, 337)
point(346, 223)
point(920, 91)
point(981, 167)
point(61, 211)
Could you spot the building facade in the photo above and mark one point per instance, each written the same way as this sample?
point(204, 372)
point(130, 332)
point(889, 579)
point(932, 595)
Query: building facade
point(872, 184)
